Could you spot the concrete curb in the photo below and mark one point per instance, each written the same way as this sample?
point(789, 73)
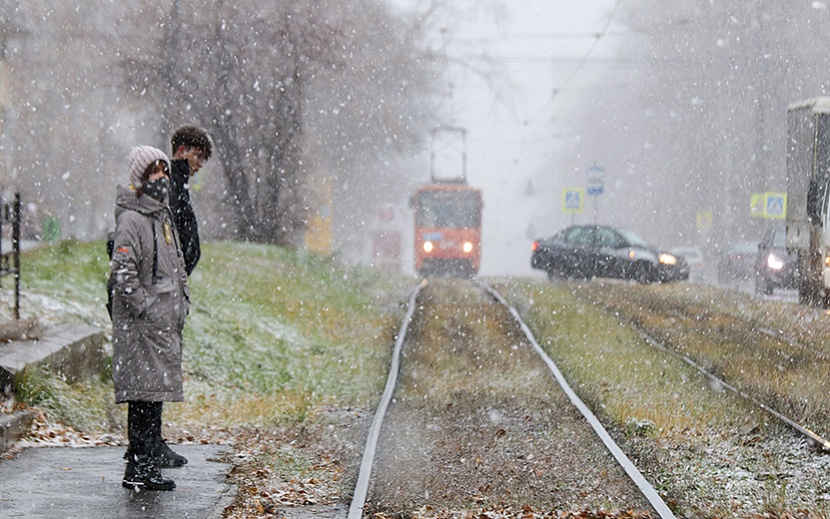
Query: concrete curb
point(13, 426)
point(73, 351)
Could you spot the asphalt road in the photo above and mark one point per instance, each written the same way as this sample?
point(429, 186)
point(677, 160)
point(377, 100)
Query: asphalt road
point(65, 482)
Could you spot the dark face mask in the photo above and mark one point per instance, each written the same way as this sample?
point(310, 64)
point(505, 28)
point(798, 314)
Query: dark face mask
point(157, 189)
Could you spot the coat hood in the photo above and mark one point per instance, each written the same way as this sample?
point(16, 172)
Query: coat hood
point(125, 199)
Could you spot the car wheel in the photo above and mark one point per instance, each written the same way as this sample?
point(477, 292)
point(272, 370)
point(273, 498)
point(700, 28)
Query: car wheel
point(762, 286)
point(645, 273)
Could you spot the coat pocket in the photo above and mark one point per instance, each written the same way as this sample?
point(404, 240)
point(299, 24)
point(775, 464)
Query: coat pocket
point(160, 303)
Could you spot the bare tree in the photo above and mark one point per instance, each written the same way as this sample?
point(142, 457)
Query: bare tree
point(699, 123)
point(286, 89)
point(246, 70)
point(66, 108)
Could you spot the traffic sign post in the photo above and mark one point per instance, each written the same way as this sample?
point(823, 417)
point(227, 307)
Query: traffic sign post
point(596, 180)
point(596, 184)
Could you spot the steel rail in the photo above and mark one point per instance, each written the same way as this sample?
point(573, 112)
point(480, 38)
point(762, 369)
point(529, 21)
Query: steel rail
point(781, 336)
point(362, 486)
point(821, 442)
point(801, 429)
point(636, 476)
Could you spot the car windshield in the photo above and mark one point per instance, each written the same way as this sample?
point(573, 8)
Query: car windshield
point(454, 209)
point(747, 247)
point(633, 239)
point(576, 235)
point(779, 238)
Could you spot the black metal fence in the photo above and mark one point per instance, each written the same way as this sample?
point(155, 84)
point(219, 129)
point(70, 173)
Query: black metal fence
point(10, 215)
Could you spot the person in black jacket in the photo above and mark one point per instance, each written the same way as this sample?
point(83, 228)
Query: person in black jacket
point(191, 148)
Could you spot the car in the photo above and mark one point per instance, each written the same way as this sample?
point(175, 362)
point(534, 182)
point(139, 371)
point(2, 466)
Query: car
point(694, 257)
point(604, 251)
point(775, 266)
point(737, 263)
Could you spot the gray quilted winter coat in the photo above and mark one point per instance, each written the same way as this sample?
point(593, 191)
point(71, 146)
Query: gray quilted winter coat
point(150, 301)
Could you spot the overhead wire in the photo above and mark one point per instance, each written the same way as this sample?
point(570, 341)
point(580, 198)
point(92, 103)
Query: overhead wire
point(581, 63)
point(579, 66)
point(590, 50)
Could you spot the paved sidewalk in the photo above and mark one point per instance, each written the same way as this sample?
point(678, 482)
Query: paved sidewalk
point(65, 482)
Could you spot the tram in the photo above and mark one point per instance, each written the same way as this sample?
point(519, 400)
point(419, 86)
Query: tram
point(447, 215)
point(447, 230)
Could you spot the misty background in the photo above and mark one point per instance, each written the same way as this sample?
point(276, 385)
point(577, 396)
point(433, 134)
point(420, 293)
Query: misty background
point(321, 113)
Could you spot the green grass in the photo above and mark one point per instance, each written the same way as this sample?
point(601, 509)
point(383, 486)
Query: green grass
point(719, 330)
point(273, 334)
point(86, 405)
point(683, 431)
point(638, 388)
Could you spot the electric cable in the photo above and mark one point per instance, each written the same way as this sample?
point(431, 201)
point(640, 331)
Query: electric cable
point(579, 66)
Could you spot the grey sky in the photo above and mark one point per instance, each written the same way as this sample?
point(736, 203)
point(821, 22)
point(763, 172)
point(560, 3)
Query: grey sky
point(513, 134)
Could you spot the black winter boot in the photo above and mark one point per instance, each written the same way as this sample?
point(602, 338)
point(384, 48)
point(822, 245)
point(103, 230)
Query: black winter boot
point(164, 457)
point(141, 473)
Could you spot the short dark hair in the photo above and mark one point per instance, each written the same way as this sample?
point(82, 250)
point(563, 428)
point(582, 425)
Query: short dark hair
point(192, 136)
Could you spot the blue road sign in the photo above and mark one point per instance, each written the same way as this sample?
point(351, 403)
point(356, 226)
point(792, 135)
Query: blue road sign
point(775, 205)
point(596, 181)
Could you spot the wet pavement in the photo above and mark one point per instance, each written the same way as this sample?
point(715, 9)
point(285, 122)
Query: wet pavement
point(85, 482)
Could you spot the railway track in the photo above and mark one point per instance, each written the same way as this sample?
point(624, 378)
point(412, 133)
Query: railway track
point(695, 333)
point(476, 417)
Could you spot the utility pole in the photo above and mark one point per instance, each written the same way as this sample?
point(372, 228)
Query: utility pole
point(596, 185)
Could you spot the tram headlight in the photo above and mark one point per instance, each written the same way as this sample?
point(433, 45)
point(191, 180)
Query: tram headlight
point(467, 247)
point(428, 246)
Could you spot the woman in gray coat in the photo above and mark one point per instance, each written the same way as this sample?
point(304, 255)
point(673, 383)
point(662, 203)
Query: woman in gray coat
point(150, 304)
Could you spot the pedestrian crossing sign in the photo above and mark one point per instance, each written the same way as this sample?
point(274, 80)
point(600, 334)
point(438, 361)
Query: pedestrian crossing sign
point(704, 220)
point(573, 200)
point(775, 206)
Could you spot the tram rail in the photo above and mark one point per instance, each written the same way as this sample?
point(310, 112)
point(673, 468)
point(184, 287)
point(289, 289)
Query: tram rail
point(364, 481)
point(777, 335)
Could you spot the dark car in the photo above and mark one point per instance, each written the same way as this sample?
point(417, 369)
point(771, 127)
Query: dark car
point(738, 262)
point(602, 251)
point(775, 266)
point(694, 257)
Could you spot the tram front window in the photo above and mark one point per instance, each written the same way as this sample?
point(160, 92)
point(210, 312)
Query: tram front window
point(447, 210)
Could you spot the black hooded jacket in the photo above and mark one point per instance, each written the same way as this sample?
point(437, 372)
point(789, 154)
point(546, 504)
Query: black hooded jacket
point(185, 218)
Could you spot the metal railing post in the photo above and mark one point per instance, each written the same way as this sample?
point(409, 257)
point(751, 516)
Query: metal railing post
point(16, 251)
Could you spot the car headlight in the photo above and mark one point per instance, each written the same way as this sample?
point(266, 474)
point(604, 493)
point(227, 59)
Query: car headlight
point(774, 262)
point(667, 259)
point(428, 246)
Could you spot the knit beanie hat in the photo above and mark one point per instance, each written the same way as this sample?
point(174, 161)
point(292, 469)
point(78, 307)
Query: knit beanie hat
point(140, 158)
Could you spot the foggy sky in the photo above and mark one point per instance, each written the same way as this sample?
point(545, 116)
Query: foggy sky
point(516, 126)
